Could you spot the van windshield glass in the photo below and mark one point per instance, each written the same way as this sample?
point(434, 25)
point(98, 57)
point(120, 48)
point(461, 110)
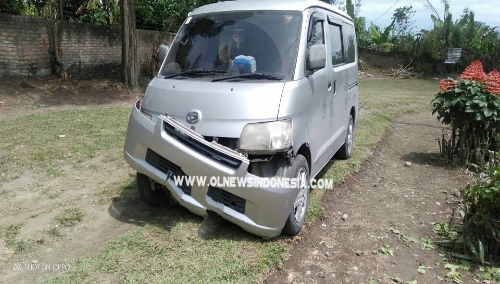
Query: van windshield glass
point(242, 42)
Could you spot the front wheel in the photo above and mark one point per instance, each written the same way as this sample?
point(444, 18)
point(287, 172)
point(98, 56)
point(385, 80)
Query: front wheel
point(297, 217)
point(345, 151)
point(151, 193)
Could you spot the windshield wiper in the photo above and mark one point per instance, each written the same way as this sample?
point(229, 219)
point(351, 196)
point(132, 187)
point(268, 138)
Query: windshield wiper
point(196, 72)
point(250, 76)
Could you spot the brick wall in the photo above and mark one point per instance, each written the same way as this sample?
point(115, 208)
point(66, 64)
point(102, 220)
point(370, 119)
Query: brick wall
point(23, 46)
point(88, 51)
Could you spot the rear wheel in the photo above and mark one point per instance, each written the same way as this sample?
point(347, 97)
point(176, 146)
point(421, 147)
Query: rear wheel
point(297, 217)
point(151, 192)
point(345, 151)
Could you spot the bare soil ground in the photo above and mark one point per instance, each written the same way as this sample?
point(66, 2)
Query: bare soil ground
point(20, 97)
point(32, 202)
point(385, 205)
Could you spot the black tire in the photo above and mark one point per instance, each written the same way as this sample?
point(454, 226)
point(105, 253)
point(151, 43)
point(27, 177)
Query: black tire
point(152, 196)
point(296, 218)
point(345, 151)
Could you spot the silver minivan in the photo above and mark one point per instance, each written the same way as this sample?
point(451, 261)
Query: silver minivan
point(254, 90)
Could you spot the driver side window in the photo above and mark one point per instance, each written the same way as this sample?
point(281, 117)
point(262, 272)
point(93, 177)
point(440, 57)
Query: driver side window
point(317, 34)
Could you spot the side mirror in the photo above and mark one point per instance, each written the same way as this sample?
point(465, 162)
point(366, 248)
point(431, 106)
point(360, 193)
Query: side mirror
point(162, 52)
point(316, 57)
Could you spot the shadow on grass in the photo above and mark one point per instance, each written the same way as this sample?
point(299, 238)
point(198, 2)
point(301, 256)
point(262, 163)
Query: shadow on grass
point(324, 171)
point(129, 208)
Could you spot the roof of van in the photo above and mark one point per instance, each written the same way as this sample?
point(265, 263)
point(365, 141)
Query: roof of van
point(246, 5)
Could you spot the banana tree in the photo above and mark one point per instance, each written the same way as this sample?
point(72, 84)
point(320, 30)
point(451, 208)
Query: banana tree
point(379, 38)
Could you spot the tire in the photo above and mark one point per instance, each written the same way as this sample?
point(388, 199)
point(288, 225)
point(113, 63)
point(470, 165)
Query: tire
point(345, 151)
point(297, 216)
point(155, 197)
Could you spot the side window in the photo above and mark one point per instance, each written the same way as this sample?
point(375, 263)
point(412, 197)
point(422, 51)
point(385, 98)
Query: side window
point(336, 44)
point(349, 43)
point(317, 34)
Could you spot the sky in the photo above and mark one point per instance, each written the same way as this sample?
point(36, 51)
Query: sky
point(484, 11)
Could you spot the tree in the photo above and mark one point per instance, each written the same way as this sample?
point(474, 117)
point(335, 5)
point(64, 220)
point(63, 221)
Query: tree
point(130, 56)
point(362, 34)
point(379, 38)
point(350, 8)
point(99, 12)
point(60, 9)
point(200, 3)
point(53, 22)
point(427, 4)
point(478, 40)
point(14, 7)
point(339, 3)
point(357, 8)
point(402, 20)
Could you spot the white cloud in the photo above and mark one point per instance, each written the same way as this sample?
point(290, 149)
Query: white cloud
point(485, 11)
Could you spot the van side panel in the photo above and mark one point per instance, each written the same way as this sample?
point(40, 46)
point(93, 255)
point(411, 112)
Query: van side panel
point(296, 103)
point(351, 51)
point(320, 119)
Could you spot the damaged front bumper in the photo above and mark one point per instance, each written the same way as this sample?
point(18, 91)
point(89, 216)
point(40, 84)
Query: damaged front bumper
point(165, 148)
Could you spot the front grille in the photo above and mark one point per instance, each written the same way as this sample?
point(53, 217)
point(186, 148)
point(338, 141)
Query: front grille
point(230, 200)
point(168, 168)
point(202, 148)
point(224, 141)
point(162, 164)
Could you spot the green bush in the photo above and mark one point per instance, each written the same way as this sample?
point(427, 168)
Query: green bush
point(477, 238)
point(481, 227)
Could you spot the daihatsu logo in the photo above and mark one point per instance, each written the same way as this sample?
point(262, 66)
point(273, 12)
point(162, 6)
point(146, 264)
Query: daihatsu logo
point(193, 116)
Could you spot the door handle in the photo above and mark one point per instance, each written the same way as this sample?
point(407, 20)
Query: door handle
point(334, 87)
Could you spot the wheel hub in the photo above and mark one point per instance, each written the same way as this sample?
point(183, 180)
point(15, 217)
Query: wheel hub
point(301, 201)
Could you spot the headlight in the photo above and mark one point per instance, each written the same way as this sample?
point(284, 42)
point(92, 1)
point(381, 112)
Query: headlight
point(269, 137)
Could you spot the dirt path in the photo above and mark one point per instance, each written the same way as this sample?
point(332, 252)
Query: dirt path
point(388, 205)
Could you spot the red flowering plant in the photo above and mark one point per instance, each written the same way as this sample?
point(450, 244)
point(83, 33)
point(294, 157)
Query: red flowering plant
point(471, 106)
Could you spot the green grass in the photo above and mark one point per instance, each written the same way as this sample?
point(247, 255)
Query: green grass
point(23, 246)
point(37, 106)
point(69, 216)
point(33, 142)
point(9, 234)
point(54, 172)
point(175, 254)
point(54, 232)
point(168, 249)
